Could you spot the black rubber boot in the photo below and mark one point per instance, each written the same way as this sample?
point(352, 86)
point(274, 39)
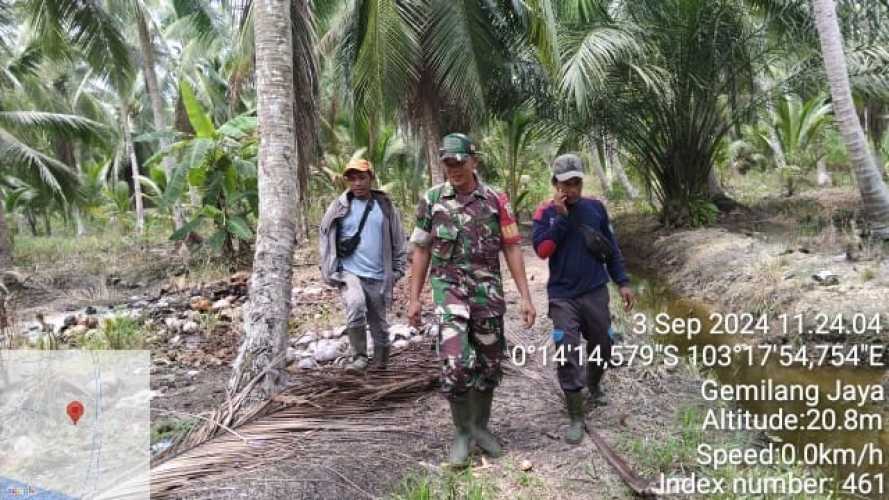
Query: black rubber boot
point(358, 341)
point(594, 385)
point(481, 409)
point(461, 413)
point(381, 357)
point(574, 402)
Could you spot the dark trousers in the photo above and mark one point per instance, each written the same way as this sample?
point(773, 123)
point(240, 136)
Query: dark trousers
point(584, 318)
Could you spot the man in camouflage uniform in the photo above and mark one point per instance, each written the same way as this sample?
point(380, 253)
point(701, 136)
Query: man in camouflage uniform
point(462, 225)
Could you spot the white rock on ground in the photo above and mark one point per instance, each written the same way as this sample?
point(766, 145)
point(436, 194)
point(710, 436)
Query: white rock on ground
point(307, 364)
point(292, 354)
point(400, 331)
point(220, 305)
point(190, 327)
point(400, 344)
point(326, 350)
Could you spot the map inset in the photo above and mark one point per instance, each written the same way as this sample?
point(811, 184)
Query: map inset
point(73, 424)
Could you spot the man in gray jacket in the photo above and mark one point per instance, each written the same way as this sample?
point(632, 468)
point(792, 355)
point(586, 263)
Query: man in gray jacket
point(363, 253)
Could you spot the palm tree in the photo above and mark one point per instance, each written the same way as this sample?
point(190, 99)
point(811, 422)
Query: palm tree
point(874, 192)
point(438, 65)
point(662, 75)
point(266, 319)
point(510, 147)
point(27, 136)
point(158, 109)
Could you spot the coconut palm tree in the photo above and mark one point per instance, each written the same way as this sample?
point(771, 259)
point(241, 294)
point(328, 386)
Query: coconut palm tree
point(438, 65)
point(874, 192)
point(27, 136)
point(266, 319)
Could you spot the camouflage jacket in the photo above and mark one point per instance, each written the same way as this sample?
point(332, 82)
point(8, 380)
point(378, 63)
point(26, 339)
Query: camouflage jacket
point(465, 234)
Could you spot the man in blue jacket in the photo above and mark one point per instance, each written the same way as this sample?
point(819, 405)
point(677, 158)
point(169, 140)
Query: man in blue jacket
point(577, 286)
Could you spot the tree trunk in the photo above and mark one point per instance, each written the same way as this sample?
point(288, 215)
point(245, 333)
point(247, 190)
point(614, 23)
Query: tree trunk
point(431, 131)
point(874, 193)
point(32, 223)
point(268, 311)
point(714, 187)
point(134, 168)
point(5, 241)
point(157, 103)
point(823, 176)
point(604, 182)
point(618, 168)
point(306, 102)
point(47, 223)
point(79, 226)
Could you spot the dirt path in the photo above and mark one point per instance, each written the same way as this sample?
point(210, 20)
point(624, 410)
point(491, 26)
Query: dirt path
point(528, 416)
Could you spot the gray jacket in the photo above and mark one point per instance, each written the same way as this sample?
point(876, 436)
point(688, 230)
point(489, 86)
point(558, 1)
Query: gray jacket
point(394, 249)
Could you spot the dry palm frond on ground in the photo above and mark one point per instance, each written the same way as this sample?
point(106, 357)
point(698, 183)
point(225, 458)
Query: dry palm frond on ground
point(347, 407)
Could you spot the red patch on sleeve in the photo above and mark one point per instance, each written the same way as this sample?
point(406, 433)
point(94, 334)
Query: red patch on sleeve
point(546, 248)
point(508, 227)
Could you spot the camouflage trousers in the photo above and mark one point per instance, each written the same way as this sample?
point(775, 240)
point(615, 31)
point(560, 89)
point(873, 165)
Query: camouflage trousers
point(471, 350)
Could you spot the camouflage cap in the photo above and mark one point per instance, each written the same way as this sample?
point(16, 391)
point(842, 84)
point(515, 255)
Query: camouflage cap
point(567, 166)
point(457, 146)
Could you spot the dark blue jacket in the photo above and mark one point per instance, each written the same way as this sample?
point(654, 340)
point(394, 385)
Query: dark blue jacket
point(573, 271)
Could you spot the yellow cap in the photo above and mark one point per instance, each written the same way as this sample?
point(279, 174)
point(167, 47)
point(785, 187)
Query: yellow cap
point(358, 165)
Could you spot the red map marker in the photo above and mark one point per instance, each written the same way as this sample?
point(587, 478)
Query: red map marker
point(75, 411)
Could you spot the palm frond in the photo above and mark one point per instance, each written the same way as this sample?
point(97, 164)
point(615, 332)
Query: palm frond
point(90, 28)
point(388, 57)
point(70, 126)
point(593, 55)
point(54, 174)
point(461, 53)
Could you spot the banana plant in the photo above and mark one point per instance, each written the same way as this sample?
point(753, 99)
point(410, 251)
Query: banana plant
point(220, 163)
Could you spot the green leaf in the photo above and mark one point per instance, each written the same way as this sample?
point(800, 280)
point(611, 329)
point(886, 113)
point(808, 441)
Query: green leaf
point(198, 154)
point(231, 178)
point(238, 126)
point(239, 227)
point(217, 240)
point(197, 176)
point(211, 212)
point(199, 119)
point(175, 186)
point(187, 229)
point(246, 169)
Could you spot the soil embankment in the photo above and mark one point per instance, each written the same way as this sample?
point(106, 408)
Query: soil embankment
point(783, 258)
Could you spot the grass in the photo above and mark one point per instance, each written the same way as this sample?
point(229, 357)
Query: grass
point(450, 485)
point(170, 428)
point(868, 274)
point(117, 333)
point(63, 248)
point(663, 454)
